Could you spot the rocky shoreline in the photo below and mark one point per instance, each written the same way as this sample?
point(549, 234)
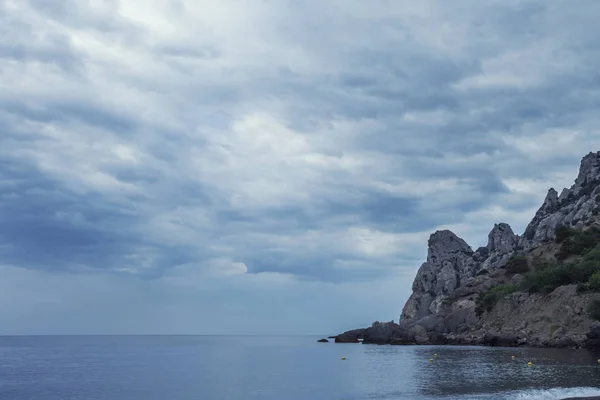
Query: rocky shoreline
point(390, 333)
point(583, 398)
point(533, 290)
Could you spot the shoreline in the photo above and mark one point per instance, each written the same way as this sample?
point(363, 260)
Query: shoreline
point(582, 398)
point(474, 345)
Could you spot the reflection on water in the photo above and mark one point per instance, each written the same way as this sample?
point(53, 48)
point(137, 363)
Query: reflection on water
point(290, 368)
point(492, 370)
point(484, 372)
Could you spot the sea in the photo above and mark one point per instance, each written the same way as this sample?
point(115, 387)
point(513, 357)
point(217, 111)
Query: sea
point(282, 368)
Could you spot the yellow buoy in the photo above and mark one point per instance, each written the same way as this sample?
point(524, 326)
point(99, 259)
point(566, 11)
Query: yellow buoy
point(529, 363)
point(513, 357)
point(431, 359)
point(435, 355)
point(599, 360)
point(343, 358)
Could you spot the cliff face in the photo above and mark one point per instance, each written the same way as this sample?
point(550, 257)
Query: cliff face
point(443, 305)
point(451, 267)
point(450, 291)
point(575, 207)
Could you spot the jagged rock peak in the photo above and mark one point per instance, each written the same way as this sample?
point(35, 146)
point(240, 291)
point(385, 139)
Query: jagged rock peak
point(551, 201)
point(443, 243)
point(502, 239)
point(589, 169)
point(574, 207)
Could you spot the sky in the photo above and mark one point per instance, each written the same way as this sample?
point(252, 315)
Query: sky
point(271, 167)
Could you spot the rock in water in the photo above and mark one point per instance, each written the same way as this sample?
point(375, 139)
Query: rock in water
point(350, 336)
point(380, 332)
point(323, 341)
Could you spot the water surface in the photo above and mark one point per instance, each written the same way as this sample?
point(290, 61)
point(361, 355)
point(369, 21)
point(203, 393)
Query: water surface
point(294, 368)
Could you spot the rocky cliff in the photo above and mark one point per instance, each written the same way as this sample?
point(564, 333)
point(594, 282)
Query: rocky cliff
point(538, 289)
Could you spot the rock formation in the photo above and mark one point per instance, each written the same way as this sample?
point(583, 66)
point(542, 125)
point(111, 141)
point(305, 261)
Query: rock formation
point(574, 207)
point(449, 285)
point(350, 336)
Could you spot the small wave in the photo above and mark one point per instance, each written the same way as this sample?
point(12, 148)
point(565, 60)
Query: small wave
point(553, 394)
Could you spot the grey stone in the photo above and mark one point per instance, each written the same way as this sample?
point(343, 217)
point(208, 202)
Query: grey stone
point(351, 336)
point(448, 283)
point(502, 239)
point(380, 333)
point(442, 306)
point(571, 208)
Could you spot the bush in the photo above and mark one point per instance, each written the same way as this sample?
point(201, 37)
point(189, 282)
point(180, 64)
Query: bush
point(593, 309)
point(540, 266)
point(487, 300)
point(594, 281)
point(517, 265)
point(585, 271)
point(546, 279)
point(563, 233)
point(593, 255)
point(482, 272)
point(549, 276)
point(577, 242)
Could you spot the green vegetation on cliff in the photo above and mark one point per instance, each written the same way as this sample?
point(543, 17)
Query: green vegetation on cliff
point(581, 245)
point(548, 276)
point(517, 265)
point(594, 282)
point(487, 300)
point(575, 242)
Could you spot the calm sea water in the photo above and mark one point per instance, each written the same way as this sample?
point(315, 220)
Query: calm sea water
point(282, 368)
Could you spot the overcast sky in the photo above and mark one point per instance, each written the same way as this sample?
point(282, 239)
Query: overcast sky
point(271, 166)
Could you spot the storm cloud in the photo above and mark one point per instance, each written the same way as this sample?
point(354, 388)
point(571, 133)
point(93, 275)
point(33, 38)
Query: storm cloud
point(258, 145)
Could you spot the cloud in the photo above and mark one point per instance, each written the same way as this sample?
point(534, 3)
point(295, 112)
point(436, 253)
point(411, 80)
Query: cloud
point(317, 142)
point(185, 302)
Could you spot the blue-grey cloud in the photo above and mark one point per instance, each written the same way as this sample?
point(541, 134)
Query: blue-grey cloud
point(317, 142)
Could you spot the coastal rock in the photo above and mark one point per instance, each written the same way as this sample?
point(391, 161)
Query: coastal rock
point(593, 337)
point(351, 336)
point(475, 285)
point(443, 307)
point(323, 341)
point(506, 340)
point(461, 318)
point(419, 333)
point(502, 239)
point(556, 319)
point(572, 208)
point(447, 284)
point(381, 333)
point(583, 398)
point(502, 243)
point(440, 275)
